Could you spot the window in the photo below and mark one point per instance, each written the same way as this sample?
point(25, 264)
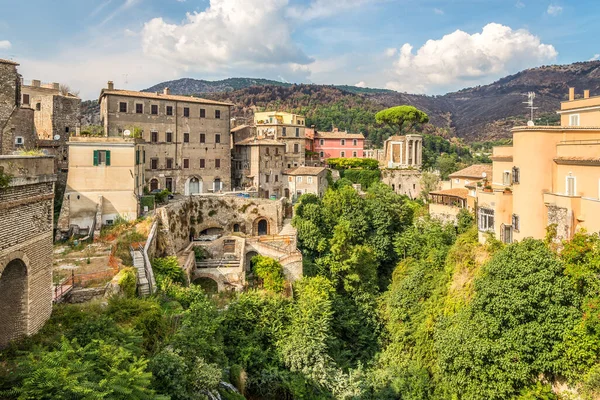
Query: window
point(267, 151)
point(290, 179)
point(25, 98)
point(154, 137)
point(296, 148)
point(66, 129)
point(139, 108)
point(169, 163)
point(202, 138)
point(321, 154)
point(506, 234)
point(283, 131)
point(122, 107)
point(516, 223)
point(342, 154)
point(19, 141)
point(186, 137)
point(154, 109)
point(354, 154)
point(276, 151)
point(217, 163)
point(276, 178)
point(202, 113)
point(570, 186)
point(354, 142)
point(169, 110)
point(297, 132)
point(299, 179)
point(154, 163)
point(186, 112)
point(186, 163)
point(516, 177)
point(217, 114)
point(321, 142)
point(217, 138)
point(202, 163)
point(101, 157)
point(309, 179)
point(38, 106)
point(169, 137)
point(144, 156)
point(574, 120)
point(506, 178)
point(343, 142)
point(486, 219)
point(267, 178)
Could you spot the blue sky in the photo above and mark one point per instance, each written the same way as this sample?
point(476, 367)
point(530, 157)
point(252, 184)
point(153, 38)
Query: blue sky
point(417, 46)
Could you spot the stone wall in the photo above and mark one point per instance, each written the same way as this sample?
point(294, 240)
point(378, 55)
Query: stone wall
point(20, 123)
point(26, 211)
point(444, 213)
point(563, 218)
point(403, 181)
point(9, 91)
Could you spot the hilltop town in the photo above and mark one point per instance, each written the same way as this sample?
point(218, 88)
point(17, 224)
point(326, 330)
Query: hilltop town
point(176, 250)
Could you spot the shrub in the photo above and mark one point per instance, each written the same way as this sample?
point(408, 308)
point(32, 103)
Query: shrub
point(168, 268)
point(270, 272)
point(128, 281)
point(344, 163)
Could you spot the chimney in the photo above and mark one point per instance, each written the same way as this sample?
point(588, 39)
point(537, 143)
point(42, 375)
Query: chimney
point(111, 85)
point(55, 86)
point(36, 83)
point(166, 91)
point(571, 94)
point(586, 94)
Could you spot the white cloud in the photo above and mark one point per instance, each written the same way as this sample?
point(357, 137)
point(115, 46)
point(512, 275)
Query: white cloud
point(361, 84)
point(228, 33)
point(554, 10)
point(595, 58)
point(459, 59)
point(325, 8)
point(438, 11)
point(5, 45)
point(520, 4)
point(391, 52)
point(123, 7)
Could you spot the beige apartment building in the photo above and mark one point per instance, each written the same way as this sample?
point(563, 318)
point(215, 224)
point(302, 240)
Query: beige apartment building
point(105, 181)
point(258, 165)
point(303, 180)
point(287, 128)
point(188, 147)
point(549, 176)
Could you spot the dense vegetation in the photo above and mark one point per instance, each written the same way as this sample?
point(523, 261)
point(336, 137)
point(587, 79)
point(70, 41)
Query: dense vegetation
point(393, 305)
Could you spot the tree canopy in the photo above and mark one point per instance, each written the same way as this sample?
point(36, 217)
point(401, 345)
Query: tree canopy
point(400, 117)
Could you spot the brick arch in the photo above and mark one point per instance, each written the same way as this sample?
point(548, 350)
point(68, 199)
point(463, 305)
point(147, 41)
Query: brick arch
point(217, 278)
point(14, 296)
point(257, 223)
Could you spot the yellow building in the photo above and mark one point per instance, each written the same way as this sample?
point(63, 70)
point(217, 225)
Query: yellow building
point(287, 128)
point(106, 180)
point(550, 175)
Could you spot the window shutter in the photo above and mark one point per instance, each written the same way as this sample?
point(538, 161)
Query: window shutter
point(108, 158)
point(95, 158)
point(137, 157)
point(144, 157)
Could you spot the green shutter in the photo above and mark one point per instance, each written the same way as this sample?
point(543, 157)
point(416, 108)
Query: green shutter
point(95, 158)
point(137, 157)
point(107, 158)
point(144, 154)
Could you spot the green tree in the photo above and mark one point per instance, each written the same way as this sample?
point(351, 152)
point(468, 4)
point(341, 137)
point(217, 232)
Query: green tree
point(400, 116)
point(429, 183)
point(270, 272)
point(446, 164)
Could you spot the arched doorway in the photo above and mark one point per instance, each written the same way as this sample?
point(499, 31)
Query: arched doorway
point(249, 256)
point(236, 227)
point(153, 184)
point(13, 301)
point(194, 186)
point(209, 285)
point(263, 227)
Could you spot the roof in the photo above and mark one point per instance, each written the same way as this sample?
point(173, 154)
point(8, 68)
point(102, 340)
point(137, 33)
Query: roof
point(239, 128)
point(3, 61)
point(474, 171)
point(161, 96)
point(252, 141)
point(402, 138)
point(338, 135)
point(577, 160)
point(305, 171)
point(462, 193)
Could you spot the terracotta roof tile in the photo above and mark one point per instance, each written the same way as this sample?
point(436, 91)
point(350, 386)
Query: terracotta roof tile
point(305, 171)
point(161, 96)
point(474, 171)
point(460, 192)
point(338, 135)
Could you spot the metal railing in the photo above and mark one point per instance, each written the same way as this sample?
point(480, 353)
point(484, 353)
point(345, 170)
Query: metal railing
point(63, 288)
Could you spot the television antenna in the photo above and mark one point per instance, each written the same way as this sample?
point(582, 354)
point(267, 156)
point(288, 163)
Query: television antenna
point(529, 102)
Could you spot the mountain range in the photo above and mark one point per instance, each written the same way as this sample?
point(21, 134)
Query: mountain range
point(479, 113)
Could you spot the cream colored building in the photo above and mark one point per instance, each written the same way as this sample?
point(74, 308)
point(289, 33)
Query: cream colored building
point(287, 128)
point(258, 165)
point(188, 147)
point(105, 181)
point(303, 180)
point(550, 175)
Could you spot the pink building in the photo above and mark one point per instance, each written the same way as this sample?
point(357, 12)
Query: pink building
point(338, 144)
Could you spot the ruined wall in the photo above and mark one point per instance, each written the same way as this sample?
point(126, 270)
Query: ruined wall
point(444, 213)
point(19, 123)
point(26, 208)
point(179, 220)
point(9, 90)
point(563, 218)
point(403, 181)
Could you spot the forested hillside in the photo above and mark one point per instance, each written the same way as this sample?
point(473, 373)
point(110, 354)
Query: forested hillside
point(392, 306)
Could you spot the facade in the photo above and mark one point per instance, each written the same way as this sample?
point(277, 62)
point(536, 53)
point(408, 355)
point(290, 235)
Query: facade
point(338, 144)
point(26, 212)
point(188, 147)
point(403, 152)
point(303, 180)
point(287, 128)
point(16, 119)
point(258, 165)
point(556, 184)
point(106, 180)
point(473, 174)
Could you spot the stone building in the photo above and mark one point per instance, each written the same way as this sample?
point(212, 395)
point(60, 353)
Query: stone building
point(303, 180)
point(188, 147)
point(287, 128)
point(16, 119)
point(403, 152)
point(258, 165)
point(26, 212)
point(106, 180)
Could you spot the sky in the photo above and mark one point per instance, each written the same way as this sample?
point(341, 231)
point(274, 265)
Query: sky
point(414, 46)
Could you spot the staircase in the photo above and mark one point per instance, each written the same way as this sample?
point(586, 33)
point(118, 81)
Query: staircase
point(143, 286)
